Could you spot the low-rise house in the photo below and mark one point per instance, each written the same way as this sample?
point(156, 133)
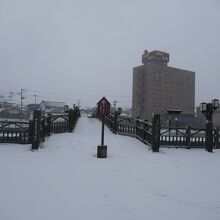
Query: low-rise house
point(10, 113)
point(33, 107)
point(5, 104)
point(52, 107)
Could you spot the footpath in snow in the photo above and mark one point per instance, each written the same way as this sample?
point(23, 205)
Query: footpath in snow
point(64, 179)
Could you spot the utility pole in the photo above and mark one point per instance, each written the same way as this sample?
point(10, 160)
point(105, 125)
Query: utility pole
point(10, 96)
point(22, 97)
point(35, 99)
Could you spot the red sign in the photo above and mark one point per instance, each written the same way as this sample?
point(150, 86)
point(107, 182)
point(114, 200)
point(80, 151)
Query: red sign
point(103, 107)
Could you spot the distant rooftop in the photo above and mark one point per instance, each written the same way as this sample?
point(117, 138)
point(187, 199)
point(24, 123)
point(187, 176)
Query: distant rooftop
point(53, 104)
point(2, 98)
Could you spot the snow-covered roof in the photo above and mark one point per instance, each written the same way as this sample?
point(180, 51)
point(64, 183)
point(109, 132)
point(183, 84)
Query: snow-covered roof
point(10, 102)
point(10, 108)
point(53, 104)
point(124, 115)
point(2, 98)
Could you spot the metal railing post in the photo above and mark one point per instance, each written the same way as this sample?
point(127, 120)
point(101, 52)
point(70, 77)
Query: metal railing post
point(188, 137)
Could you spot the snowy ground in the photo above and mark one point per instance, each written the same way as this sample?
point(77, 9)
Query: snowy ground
point(64, 180)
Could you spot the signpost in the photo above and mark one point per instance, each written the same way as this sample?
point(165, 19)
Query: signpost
point(102, 149)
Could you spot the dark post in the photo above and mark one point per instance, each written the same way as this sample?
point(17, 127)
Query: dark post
point(217, 137)
point(31, 131)
point(188, 135)
point(103, 130)
point(36, 129)
point(43, 126)
point(209, 128)
point(70, 112)
point(136, 128)
point(169, 124)
point(209, 136)
point(208, 109)
point(176, 119)
point(102, 149)
point(49, 124)
point(155, 145)
point(115, 122)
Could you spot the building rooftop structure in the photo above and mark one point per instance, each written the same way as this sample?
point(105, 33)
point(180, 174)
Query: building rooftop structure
point(156, 56)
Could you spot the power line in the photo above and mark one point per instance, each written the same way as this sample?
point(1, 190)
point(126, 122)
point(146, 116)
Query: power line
point(77, 94)
point(69, 97)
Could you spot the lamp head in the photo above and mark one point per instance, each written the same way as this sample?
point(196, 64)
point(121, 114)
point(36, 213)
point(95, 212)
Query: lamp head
point(203, 107)
point(66, 108)
point(215, 103)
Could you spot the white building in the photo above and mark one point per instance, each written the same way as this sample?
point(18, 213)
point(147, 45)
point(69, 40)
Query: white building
point(5, 104)
point(52, 107)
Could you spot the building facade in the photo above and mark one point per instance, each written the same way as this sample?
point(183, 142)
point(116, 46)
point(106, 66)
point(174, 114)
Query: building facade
point(52, 107)
point(158, 87)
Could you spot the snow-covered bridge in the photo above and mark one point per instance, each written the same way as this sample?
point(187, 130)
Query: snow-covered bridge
point(65, 180)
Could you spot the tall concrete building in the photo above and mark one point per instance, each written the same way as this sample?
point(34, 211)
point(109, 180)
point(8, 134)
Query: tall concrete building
point(158, 87)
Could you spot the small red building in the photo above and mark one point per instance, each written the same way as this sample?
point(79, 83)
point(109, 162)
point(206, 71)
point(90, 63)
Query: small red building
point(103, 107)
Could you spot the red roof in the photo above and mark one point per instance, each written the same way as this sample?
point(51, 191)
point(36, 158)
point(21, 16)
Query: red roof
point(100, 101)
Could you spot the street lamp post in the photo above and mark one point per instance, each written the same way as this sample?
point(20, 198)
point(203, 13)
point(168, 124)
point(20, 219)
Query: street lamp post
point(116, 114)
point(207, 110)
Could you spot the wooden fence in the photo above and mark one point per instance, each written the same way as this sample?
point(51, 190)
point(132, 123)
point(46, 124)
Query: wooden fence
point(187, 137)
point(116, 127)
point(37, 129)
point(153, 133)
point(14, 132)
point(143, 130)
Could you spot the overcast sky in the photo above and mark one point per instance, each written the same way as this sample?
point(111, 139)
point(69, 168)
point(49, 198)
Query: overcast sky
point(68, 50)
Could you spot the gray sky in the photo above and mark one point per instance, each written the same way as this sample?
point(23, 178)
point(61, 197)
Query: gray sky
point(69, 50)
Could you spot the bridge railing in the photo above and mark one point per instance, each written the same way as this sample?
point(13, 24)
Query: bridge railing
point(36, 130)
point(151, 133)
point(57, 123)
point(143, 130)
point(14, 132)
